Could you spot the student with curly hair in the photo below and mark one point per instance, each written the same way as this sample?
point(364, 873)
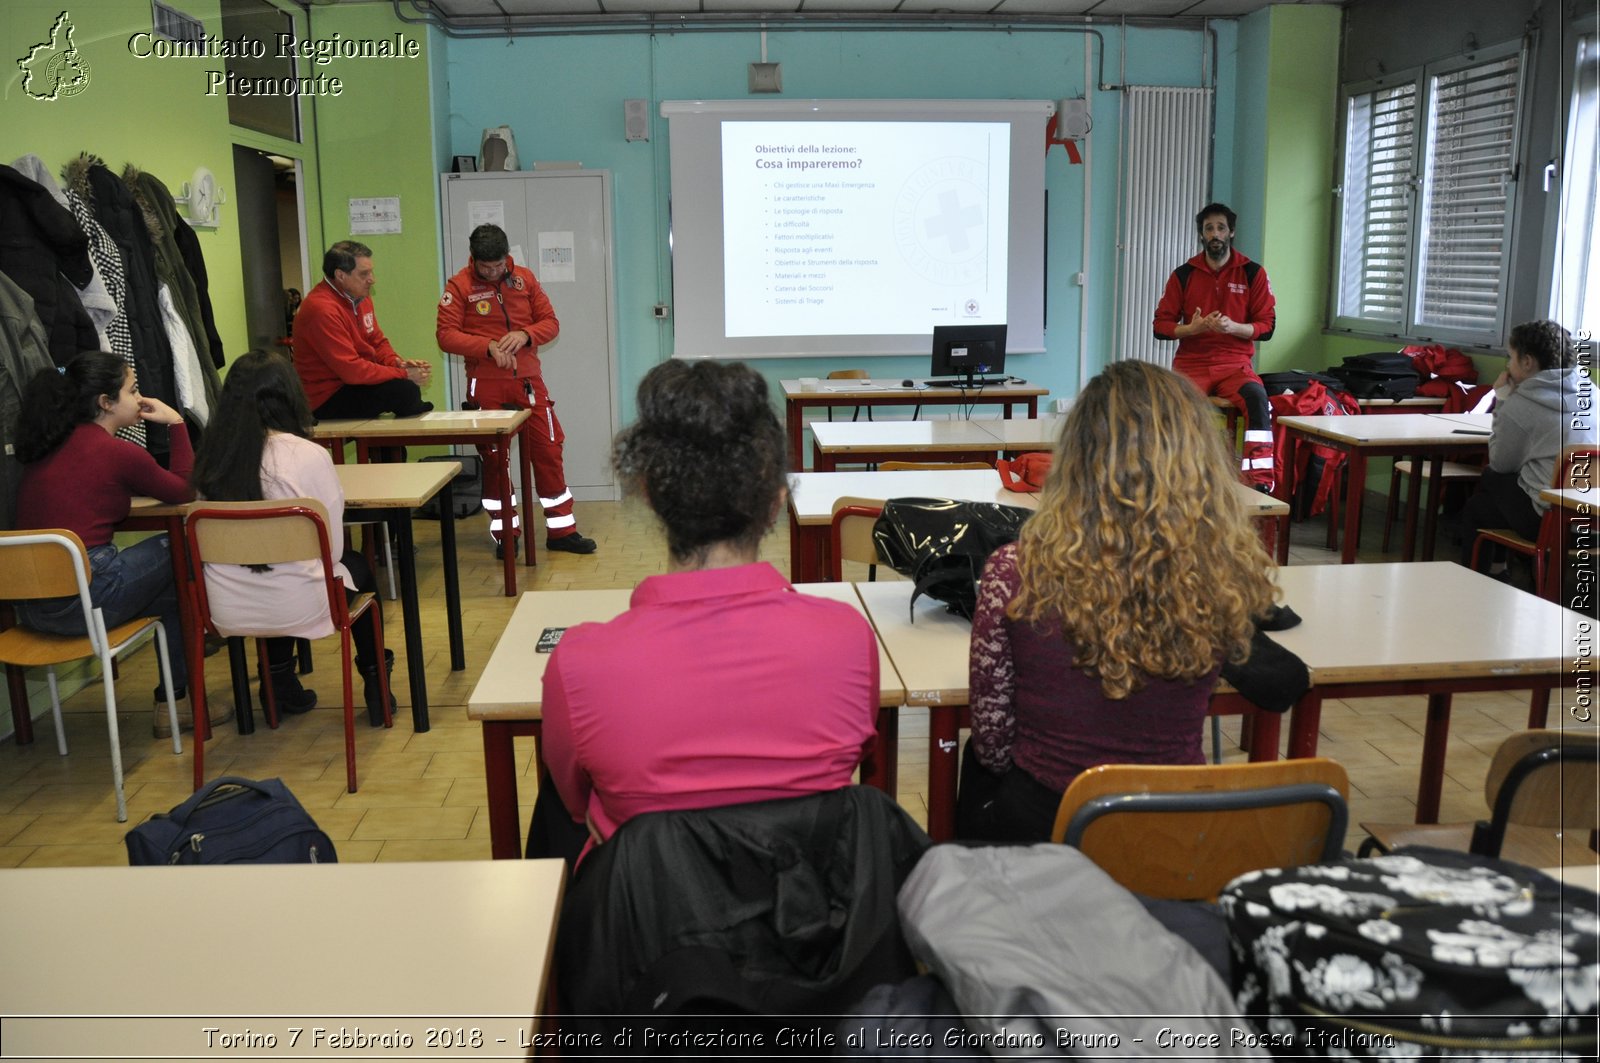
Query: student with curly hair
point(259, 447)
point(1545, 404)
point(78, 475)
point(1100, 633)
point(720, 684)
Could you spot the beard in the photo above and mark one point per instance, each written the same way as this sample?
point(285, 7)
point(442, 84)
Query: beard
point(1217, 248)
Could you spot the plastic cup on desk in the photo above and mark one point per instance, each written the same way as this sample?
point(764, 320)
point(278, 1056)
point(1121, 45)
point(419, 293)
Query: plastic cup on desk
point(810, 383)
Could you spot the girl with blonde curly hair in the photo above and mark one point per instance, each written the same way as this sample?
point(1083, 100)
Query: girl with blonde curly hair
point(1100, 633)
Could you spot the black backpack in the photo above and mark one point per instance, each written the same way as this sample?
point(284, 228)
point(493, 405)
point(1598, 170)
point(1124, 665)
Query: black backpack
point(942, 544)
point(1297, 380)
point(1380, 375)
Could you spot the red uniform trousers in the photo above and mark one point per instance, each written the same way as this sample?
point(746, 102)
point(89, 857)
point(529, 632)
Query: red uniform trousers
point(541, 437)
point(1238, 383)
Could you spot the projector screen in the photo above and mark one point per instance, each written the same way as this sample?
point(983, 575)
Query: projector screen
point(854, 227)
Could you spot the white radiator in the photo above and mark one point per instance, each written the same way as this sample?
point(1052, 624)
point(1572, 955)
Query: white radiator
point(1165, 180)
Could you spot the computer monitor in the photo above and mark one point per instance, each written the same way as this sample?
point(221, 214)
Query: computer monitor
point(968, 350)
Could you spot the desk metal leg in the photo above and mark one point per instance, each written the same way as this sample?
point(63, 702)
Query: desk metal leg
point(508, 497)
point(21, 718)
point(794, 420)
point(1430, 518)
point(410, 613)
point(525, 459)
point(1413, 509)
point(1434, 739)
point(452, 578)
point(1355, 491)
point(1305, 717)
point(944, 751)
point(244, 716)
point(500, 781)
point(1539, 709)
point(881, 771)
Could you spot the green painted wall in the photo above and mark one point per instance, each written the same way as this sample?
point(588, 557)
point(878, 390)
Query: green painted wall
point(151, 112)
point(1302, 87)
point(376, 139)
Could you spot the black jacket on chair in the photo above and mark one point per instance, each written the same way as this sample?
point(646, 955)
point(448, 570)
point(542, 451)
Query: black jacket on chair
point(772, 908)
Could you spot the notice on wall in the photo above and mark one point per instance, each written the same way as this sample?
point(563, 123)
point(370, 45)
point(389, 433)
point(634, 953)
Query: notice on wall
point(556, 258)
point(369, 217)
point(486, 212)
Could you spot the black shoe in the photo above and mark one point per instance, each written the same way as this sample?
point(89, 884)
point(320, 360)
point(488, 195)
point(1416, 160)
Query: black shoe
point(215, 643)
point(572, 544)
point(500, 550)
point(291, 698)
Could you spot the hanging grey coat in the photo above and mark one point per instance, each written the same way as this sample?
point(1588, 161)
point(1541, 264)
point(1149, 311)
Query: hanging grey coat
point(24, 352)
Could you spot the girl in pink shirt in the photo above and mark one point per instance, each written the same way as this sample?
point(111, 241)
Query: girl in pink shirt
point(258, 447)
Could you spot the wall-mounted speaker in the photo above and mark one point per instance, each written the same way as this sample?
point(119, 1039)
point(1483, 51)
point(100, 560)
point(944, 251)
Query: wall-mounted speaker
point(635, 120)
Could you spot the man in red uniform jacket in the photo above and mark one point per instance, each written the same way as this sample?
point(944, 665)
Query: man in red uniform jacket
point(495, 315)
point(346, 363)
point(1217, 306)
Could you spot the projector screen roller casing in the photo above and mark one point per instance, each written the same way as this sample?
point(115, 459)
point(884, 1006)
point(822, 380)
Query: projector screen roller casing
point(854, 227)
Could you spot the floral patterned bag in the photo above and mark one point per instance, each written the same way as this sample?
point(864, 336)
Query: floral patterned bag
point(1420, 953)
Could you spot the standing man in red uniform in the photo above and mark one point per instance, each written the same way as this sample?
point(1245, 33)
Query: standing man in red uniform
point(1218, 305)
point(495, 315)
point(347, 365)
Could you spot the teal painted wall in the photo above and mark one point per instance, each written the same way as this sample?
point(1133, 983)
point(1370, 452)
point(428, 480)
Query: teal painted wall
point(568, 98)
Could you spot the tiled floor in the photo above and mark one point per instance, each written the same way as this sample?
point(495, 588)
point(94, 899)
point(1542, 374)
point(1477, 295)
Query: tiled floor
point(422, 796)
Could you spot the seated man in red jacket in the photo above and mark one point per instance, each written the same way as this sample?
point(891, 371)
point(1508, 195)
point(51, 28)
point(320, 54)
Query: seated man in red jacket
point(496, 317)
point(347, 365)
point(1217, 306)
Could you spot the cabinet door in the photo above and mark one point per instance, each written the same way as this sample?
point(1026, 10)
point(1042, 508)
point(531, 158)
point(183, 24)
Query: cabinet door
point(559, 225)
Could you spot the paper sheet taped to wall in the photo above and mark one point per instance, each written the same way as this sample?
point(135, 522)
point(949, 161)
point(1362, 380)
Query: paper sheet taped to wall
point(380, 214)
point(556, 258)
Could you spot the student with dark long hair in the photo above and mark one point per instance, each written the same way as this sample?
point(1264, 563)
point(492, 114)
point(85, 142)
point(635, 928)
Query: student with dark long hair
point(258, 447)
point(78, 475)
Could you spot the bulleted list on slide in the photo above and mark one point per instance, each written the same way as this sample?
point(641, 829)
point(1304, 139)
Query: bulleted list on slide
point(837, 228)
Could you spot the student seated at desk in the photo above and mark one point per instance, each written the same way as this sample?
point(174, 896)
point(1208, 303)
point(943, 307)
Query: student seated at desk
point(1545, 405)
point(720, 685)
point(78, 475)
point(258, 447)
point(1099, 635)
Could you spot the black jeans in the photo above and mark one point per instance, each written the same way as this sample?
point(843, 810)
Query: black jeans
point(403, 398)
point(1014, 807)
point(1500, 502)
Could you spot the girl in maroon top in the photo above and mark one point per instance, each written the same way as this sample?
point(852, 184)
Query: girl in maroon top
point(1099, 634)
point(78, 475)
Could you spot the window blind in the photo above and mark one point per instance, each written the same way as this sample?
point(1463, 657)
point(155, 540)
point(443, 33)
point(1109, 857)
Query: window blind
point(1466, 191)
point(1376, 199)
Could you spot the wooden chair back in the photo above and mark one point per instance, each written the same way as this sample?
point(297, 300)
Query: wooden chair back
point(1184, 832)
point(44, 563)
point(851, 534)
point(272, 532)
point(930, 466)
point(1555, 790)
point(849, 374)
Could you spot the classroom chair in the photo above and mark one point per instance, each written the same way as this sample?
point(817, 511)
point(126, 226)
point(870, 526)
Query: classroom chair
point(850, 374)
point(850, 536)
point(1540, 790)
point(1416, 474)
point(1184, 832)
point(270, 533)
point(52, 563)
point(1569, 472)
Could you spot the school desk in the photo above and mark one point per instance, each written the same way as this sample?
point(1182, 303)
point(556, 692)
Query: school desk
point(391, 493)
point(812, 495)
point(1569, 525)
point(508, 697)
point(100, 963)
point(1420, 436)
point(495, 429)
point(797, 398)
point(1432, 628)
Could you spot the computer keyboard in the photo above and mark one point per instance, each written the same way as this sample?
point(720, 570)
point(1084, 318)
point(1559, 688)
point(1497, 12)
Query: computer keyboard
point(966, 382)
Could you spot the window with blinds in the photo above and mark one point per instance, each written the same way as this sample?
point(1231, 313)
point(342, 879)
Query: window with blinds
point(1575, 296)
point(1424, 202)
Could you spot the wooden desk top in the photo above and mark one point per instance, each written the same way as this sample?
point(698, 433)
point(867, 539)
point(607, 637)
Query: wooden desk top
point(931, 652)
point(377, 486)
point(1574, 498)
point(1420, 620)
point(812, 494)
point(1584, 876)
point(440, 422)
point(310, 940)
point(844, 390)
point(844, 437)
point(1026, 433)
point(511, 686)
point(1481, 421)
point(338, 429)
point(1401, 428)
